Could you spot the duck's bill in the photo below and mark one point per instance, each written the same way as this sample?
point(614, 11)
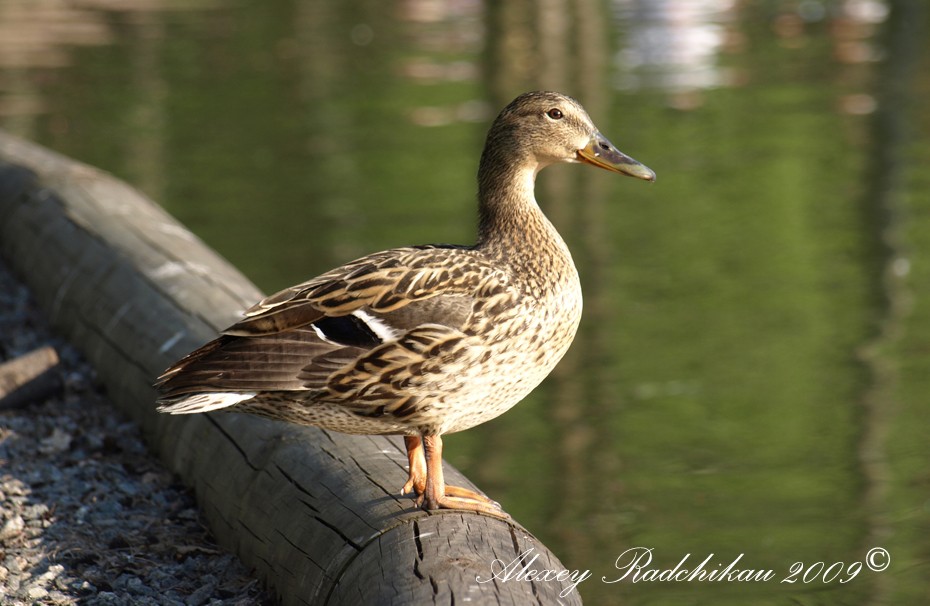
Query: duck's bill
point(602, 153)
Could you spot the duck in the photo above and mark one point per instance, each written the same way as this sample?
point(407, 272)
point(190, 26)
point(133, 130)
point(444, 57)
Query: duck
point(420, 341)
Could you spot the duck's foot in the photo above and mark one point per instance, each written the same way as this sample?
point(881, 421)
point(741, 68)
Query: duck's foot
point(456, 497)
point(427, 482)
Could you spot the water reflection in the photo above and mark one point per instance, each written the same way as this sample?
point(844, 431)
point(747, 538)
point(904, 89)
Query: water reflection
point(675, 45)
point(750, 372)
point(37, 36)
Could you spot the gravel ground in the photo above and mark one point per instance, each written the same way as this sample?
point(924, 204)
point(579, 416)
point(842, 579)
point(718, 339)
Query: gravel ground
point(87, 515)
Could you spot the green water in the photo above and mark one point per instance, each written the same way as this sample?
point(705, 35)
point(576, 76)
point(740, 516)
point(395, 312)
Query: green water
point(752, 370)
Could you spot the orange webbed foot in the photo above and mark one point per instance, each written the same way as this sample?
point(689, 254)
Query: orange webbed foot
point(426, 480)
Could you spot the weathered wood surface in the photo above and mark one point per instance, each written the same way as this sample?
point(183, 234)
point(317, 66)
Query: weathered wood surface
point(315, 513)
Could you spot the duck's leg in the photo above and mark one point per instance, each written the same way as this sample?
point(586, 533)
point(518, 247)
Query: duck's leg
point(416, 460)
point(439, 496)
point(445, 497)
point(416, 479)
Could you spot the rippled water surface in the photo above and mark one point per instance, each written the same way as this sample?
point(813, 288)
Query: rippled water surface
point(751, 376)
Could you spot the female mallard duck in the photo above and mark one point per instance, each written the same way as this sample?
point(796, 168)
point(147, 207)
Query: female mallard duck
point(425, 340)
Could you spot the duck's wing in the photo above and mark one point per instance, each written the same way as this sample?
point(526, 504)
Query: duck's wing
point(359, 334)
point(378, 284)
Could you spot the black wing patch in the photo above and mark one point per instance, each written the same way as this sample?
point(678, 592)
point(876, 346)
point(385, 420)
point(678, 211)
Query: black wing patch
point(350, 331)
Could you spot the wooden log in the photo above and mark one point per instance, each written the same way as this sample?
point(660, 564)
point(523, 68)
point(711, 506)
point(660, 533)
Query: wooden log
point(29, 378)
point(315, 513)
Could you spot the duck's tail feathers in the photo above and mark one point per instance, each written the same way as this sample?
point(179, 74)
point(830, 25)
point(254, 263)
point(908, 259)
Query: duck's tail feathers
point(202, 402)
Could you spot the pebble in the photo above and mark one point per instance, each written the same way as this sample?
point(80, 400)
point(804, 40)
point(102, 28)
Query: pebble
point(87, 515)
point(12, 528)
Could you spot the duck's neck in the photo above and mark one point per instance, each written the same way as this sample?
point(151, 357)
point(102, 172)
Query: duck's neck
point(506, 183)
point(506, 202)
point(511, 224)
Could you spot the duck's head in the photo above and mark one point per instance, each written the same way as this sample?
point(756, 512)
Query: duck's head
point(549, 127)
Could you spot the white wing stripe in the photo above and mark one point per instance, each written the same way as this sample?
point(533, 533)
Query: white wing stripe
point(377, 326)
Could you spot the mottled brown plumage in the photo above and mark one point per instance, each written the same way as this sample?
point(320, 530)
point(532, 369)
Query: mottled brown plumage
point(420, 341)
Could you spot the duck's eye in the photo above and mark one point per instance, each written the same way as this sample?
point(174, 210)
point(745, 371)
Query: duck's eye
point(555, 113)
